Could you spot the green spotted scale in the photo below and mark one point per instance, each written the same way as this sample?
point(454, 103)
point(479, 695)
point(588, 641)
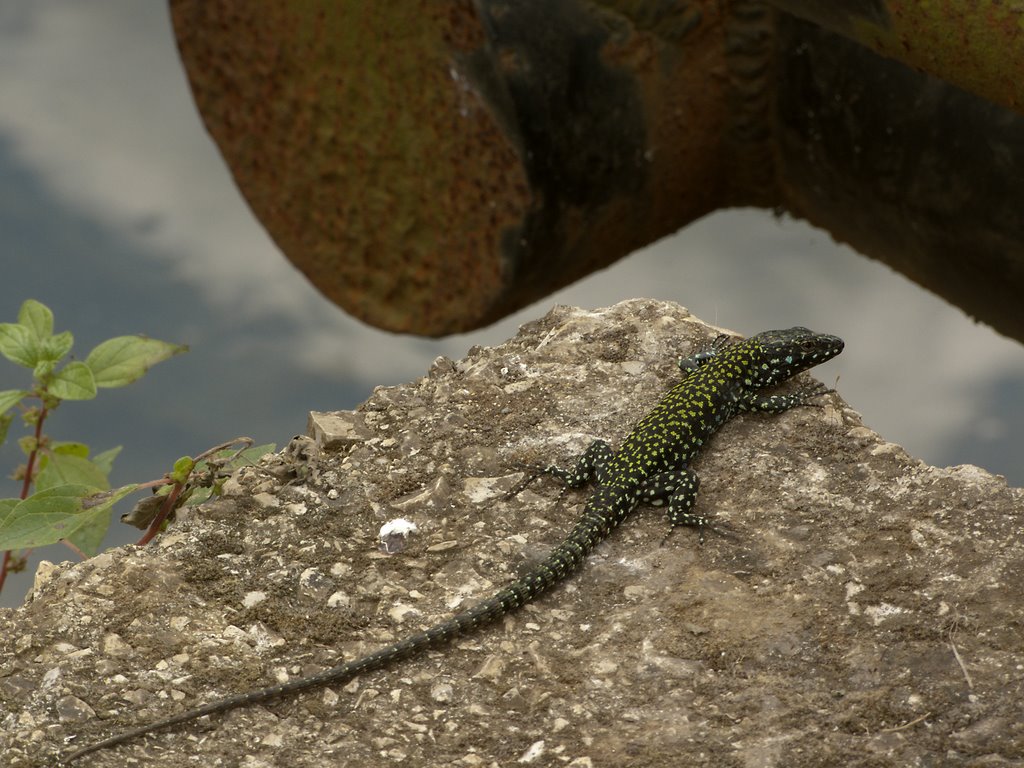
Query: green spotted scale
point(650, 467)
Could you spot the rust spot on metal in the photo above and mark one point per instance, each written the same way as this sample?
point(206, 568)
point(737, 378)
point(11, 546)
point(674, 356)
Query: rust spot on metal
point(433, 166)
point(363, 148)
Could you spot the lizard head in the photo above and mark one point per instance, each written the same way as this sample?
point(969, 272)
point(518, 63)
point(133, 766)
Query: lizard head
point(780, 355)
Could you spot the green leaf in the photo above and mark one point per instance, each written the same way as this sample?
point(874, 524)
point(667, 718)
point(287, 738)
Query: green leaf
point(89, 536)
point(69, 469)
point(10, 398)
point(199, 495)
point(5, 423)
point(43, 370)
point(74, 512)
point(37, 317)
point(182, 469)
point(252, 455)
point(6, 507)
point(19, 344)
point(53, 348)
point(244, 458)
point(68, 448)
point(123, 359)
point(105, 460)
point(73, 382)
point(144, 511)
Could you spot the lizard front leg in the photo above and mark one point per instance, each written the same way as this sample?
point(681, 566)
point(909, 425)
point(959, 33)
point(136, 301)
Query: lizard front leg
point(756, 402)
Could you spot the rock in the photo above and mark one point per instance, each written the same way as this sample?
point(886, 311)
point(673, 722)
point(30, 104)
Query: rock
point(864, 611)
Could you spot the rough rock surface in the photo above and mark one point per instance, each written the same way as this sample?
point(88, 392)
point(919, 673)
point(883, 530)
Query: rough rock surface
point(865, 612)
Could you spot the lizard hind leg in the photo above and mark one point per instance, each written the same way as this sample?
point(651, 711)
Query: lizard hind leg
point(590, 465)
point(676, 489)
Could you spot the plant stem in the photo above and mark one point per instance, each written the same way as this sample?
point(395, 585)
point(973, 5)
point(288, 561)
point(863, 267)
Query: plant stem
point(30, 466)
point(74, 549)
point(26, 486)
point(3, 568)
point(165, 510)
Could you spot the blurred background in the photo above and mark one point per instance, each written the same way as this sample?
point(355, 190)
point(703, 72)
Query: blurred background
point(117, 212)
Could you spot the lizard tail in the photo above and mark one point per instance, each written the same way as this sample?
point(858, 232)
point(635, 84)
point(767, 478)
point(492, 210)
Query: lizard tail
point(566, 558)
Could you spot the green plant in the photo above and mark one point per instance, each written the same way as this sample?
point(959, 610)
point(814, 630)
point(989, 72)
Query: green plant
point(65, 492)
point(191, 482)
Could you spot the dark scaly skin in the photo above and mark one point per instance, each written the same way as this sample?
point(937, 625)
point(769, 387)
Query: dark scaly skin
point(649, 467)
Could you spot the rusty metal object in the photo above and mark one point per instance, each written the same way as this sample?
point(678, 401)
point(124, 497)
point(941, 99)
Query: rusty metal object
point(360, 146)
point(433, 166)
point(920, 175)
point(976, 46)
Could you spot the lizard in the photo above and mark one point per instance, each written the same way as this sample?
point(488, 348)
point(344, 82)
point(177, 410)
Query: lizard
point(650, 467)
